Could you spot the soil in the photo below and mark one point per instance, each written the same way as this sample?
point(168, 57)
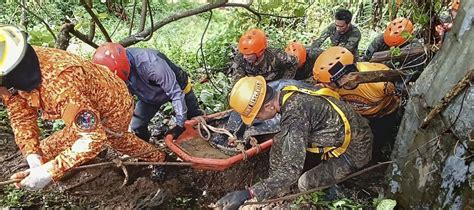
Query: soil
point(199, 148)
point(183, 187)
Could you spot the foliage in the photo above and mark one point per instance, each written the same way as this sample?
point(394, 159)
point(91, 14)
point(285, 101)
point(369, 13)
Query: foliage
point(12, 197)
point(319, 199)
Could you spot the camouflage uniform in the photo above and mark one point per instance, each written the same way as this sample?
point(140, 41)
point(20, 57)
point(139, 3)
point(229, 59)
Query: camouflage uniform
point(311, 120)
point(94, 104)
point(306, 71)
point(349, 40)
point(378, 45)
point(276, 64)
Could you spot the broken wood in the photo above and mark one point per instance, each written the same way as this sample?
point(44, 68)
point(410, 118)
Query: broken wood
point(465, 81)
point(353, 79)
point(11, 181)
point(404, 52)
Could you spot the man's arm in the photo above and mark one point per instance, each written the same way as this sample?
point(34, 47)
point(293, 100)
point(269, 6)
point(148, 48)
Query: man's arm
point(161, 74)
point(378, 44)
point(352, 43)
point(237, 69)
point(24, 122)
point(287, 154)
point(288, 64)
point(319, 41)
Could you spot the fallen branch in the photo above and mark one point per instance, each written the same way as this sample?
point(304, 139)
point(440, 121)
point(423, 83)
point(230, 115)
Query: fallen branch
point(404, 52)
point(319, 188)
point(355, 78)
point(465, 81)
point(129, 163)
point(11, 181)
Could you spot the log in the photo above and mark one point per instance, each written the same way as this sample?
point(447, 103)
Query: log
point(404, 52)
point(355, 78)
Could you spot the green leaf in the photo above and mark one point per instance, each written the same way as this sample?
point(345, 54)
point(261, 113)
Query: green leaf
point(386, 204)
point(102, 16)
point(299, 12)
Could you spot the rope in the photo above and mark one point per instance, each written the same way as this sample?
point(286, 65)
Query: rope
point(202, 124)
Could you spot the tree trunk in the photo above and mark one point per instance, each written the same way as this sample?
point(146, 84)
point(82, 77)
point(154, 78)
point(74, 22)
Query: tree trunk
point(434, 167)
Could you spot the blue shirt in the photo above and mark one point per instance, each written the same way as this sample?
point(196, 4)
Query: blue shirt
point(154, 79)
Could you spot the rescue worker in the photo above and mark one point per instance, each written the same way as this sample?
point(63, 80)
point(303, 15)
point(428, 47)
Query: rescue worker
point(255, 58)
point(93, 103)
point(378, 101)
point(314, 119)
point(368, 99)
point(306, 58)
point(155, 80)
point(399, 33)
point(341, 33)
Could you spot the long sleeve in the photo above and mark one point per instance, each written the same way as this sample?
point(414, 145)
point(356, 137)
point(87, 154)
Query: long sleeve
point(237, 68)
point(352, 43)
point(287, 154)
point(289, 64)
point(319, 41)
point(24, 121)
point(82, 121)
point(162, 75)
point(376, 45)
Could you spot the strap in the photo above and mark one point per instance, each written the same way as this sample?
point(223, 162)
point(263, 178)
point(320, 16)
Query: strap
point(188, 87)
point(328, 152)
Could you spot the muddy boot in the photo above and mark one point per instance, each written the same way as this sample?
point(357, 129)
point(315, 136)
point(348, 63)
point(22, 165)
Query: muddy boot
point(158, 173)
point(332, 193)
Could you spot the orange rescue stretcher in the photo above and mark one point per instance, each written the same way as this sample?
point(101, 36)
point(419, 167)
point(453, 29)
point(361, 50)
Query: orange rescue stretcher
point(190, 147)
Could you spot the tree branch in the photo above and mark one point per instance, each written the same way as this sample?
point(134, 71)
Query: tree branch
point(143, 15)
point(39, 18)
point(63, 40)
point(133, 17)
point(133, 39)
point(91, 34)
point(247, 7)
point(96, 20)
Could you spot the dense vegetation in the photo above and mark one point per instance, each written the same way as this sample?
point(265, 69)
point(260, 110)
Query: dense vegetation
point(181, 40)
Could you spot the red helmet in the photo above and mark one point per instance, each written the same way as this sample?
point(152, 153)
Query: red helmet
point(113, 56)
point(254, 41)
point(298, 50)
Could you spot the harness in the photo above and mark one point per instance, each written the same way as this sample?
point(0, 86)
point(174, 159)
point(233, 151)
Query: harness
point(327, 152)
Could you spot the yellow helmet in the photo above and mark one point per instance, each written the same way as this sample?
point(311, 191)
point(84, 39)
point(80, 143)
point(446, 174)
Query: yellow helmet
point(247, 97)
point(328, 59)
point(13, 47)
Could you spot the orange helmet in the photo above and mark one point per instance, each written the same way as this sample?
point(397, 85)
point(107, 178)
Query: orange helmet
point(253, 41)
point(393, 33)
point(328, 59)
point(455, 5)
point(113, 56)
point(298, 50)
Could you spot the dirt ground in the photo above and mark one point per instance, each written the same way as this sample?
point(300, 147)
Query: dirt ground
point(183, 187)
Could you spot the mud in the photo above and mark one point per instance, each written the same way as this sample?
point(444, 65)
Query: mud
point(200, 148)
point(183, 187)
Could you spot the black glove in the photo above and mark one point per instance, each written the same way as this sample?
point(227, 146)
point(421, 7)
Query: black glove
point(176, 131)
point(234, 199)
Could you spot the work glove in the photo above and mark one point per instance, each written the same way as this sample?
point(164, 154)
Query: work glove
point(234, 199)
point(35, 178)
point(176, 131)
point(34, 160)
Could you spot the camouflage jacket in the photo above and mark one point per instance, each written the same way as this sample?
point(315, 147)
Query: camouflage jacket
point(76, 91)
point(310, 120)
point(306, 71)
point(276, 64)
point(349, 40)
